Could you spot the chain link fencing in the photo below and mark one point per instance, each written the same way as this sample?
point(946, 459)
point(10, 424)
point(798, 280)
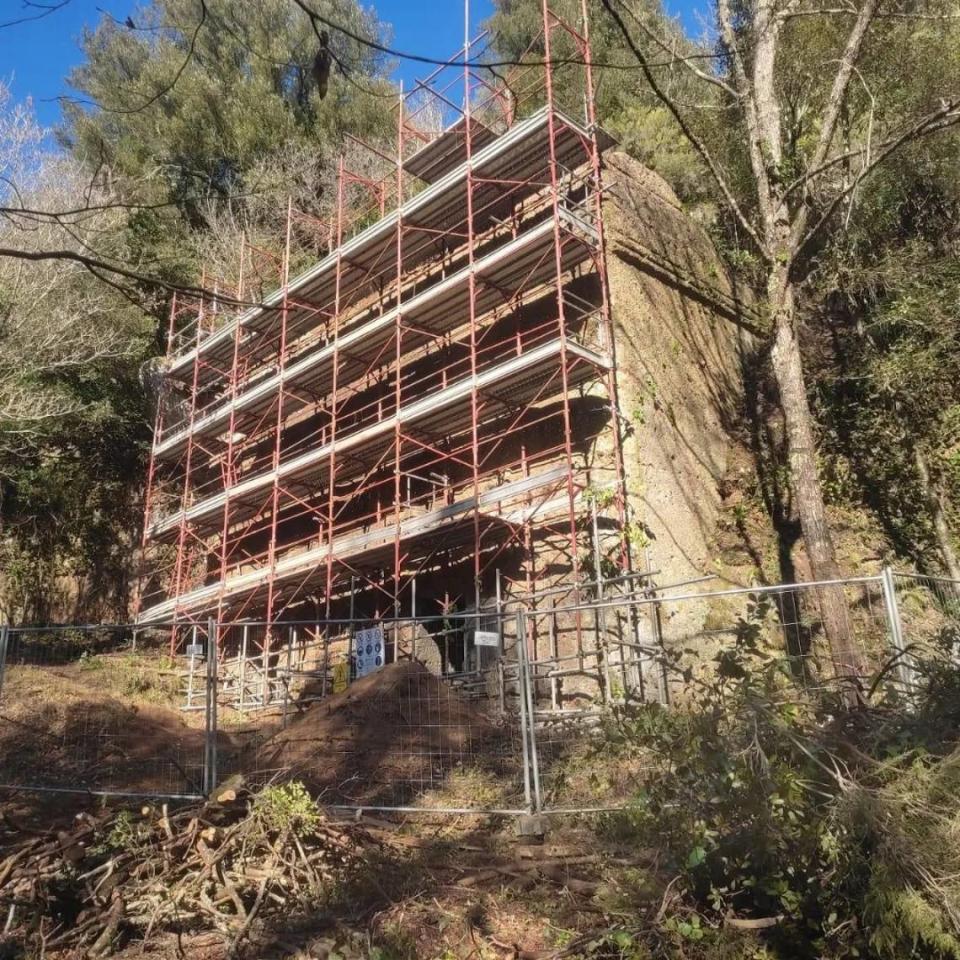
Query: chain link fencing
point(488, 712)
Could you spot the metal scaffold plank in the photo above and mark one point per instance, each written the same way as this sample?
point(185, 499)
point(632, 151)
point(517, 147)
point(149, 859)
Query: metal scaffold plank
point(515, 379)
point(358, 544)
point(521, 151)
point(434, 311)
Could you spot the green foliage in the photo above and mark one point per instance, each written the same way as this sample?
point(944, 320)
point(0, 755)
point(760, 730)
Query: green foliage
point(602, 497)
point(287, 808)
point(124, 834)
point(616, 945)
point(636, 535)
point(68, 507)
point(246, 90)
point(897, 392)
point(836, 833)
point(650, 134)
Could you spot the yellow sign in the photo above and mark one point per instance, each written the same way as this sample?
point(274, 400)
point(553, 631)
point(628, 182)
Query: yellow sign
point(341, 676)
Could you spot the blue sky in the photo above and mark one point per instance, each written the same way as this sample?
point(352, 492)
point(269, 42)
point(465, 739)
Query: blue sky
point(37, 55)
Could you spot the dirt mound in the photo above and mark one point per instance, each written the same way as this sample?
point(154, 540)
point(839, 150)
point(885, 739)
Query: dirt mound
point(390, 737)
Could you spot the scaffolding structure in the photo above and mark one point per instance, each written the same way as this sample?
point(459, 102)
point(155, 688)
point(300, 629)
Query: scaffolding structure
point(425, 420)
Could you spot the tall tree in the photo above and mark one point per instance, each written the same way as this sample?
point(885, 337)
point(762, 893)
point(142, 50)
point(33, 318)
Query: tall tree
point(199, 90)
point(204, 104)
point(814, 123)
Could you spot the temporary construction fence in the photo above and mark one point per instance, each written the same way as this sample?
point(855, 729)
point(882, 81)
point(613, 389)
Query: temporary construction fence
point(93, 709)
point(490, 711)
point(779, 627)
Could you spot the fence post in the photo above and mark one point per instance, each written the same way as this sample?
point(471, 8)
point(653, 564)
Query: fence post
point(291, 632)
point(650, 667)
point(210, 755)
point(4, 636)
point(892, 607)
point(521, 684)
point(599, 616)
point(531, 760)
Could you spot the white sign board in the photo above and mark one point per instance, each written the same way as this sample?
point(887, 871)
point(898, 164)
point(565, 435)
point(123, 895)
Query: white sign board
point(195, 650)
point(486, 638)
point(368, 650)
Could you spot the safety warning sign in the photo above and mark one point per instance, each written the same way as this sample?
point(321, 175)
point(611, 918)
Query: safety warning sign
point(368, 653)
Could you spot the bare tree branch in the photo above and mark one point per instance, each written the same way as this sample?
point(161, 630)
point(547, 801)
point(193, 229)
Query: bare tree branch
point(688, 132)
point(880, 15)
point(942, 119)
point(748, 99)
point(45, 11)
point(841, 82)
point(686, 61)
point(101, 267)
point(124, 111)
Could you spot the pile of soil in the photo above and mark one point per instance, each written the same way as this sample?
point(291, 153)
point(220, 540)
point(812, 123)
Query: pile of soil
point(387, 739)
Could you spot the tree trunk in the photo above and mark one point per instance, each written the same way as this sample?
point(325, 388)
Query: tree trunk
point(805, 483)
point(938, 516)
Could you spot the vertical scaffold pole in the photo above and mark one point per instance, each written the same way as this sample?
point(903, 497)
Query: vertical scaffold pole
point(242, 672)
point(277, 450)
point(398, 393)
point(527, 681)
point(524, 720)
point(151, 470)
point(332, 467)
point(561, 313)
point(606, 315)
point(228, 468)
point(413, 618)
point(472, 297)
point(185, 499)
point(291, 633)
point(603, 647)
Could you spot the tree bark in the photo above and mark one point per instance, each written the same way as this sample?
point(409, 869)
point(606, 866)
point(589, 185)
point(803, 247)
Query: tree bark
point(805, 483)
point(782, 228)
point(938, 516)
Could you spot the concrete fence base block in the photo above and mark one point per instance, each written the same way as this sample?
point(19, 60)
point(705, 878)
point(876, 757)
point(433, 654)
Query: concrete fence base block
point(532, 826)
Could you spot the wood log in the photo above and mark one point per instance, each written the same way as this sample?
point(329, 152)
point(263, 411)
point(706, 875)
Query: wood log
point(103, 944)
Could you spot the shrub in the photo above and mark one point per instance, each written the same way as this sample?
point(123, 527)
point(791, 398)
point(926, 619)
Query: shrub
point(287, 807)
point(836, 833)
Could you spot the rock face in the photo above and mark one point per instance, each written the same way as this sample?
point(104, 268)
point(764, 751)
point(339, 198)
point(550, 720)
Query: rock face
point(680, 337)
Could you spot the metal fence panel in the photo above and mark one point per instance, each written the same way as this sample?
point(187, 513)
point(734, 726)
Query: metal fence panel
point(668, 649)
point(96, 709)
point(928, 608)
point(460, 712)
point(435, 725)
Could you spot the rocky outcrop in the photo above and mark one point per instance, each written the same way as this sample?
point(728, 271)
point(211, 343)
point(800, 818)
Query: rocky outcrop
point(681, 330)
